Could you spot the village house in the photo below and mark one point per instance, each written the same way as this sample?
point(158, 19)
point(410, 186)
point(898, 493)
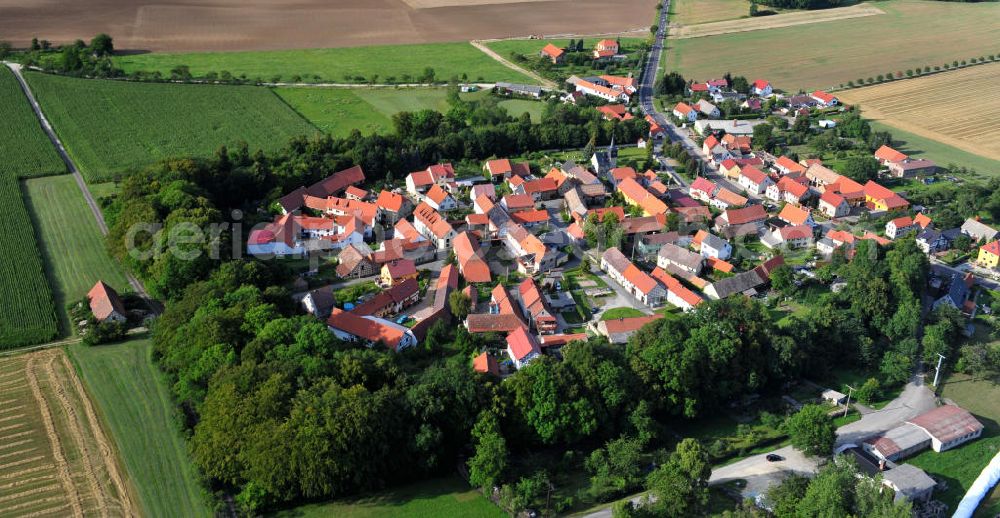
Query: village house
point(105, 304)
point(616, 112)
point(738, 145)
point(824, 99)
point(329, 186)
point(707, 109)
point(470, 260)
point(370, 330)
point(637, 195)
point(910, 483)
point(530, 254)
point(754, 214)
point(673, 257)
point(881, 198)
point(911, 167)
point(979, 231)
point(618, 330)
point(606, 49)
point(486, 364)
point(702, 189)
point(684, 111)
point(610, 94)
point(419, 182)
point(899, 226)
point(786, 166)
point(957, 296)
point(355, 193)
point(753, 180)
point(790, 236)
point(440, 199)
point(522, 347)
point(524, 90)
point(762, 88)
point(989, 255)
point(354, 262)
point(796, 216)
point(536, 308)
point(833, 205)
point(391, 301)
point(678, 295)
point(392, 207)
point(725, 199)
point(637, 282)
point(517, 202)
point(431, 225)
point(503, 169)
point(555, 54)
point(932, 241)
point(715, 247)
point(788, 190)
point(395, 272)
point(333, 207)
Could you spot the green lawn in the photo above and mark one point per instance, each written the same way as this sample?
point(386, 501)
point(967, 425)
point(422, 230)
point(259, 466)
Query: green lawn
point(111, 127)
point(962, 465)
point(135, 405)
point(516, 107)
point(615, 313)
point(391, 63)
point(427, 499)
point(826, 54)
point(27, 315)
point(942, 154)
point(72, 246)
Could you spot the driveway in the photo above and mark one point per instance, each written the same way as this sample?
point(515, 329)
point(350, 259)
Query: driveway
point(761, 474)
point(913, 401)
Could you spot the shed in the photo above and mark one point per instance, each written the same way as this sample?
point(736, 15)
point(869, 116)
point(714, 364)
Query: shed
point(837, 398)
point(909, 482)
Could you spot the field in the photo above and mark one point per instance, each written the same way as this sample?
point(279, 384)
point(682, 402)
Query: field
point(341, 110)
point(827, 54)
point(180, 25)
point(441, 497)
point(916, 145)
point(73, 249)
point(786, 19)
point(134, 404)
point(110, 127)
point(962, 465)
point(55, 459)
point(25, 148)
point(26, 312)
point(927, 106)
point(690, 12)
point(391, 63)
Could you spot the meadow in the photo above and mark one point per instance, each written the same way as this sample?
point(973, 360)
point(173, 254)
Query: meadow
point(55, 458)
point(828, 54)
point(73, 248)
point(428, 499)
point(339, 111)
point(135, 406)
point(111, 127)
point(378, 63)
point(530, 48)
point(690, 12)
point(915, 105)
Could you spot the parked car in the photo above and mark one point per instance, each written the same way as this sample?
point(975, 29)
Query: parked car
point(773, 457)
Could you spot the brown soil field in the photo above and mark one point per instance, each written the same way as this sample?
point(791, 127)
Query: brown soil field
point(787, 19)
point(949, 107)
point(181, 25)
point(55, 460)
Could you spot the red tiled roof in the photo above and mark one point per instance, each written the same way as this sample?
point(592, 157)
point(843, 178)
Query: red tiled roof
point(354, 191)
point(795, 232)
point(640, 279)
point(400, 268)
point(489, 323)
point(922, 220)
point(823, 96)
point(626, 325)
point(877, 191)
point(552, 51)
point(518, 201)
point(756, 176)
point(992, 247)
point(888, 154)
point(470, 259)
point(761, 84)
point(486, 364)
point(745, 215)
point(947, 423)
point(903, 221)
point(337, 182)
point(373, 330)
point(703, 184)
point(793, 215)
point(432, 220)
point(522, 343)
point(530, 216)
point(389, 201)
point(789, 164)
point(683, 108)
point(832, 198)
point(104, 301)
point(540, 185)
point(674, 286)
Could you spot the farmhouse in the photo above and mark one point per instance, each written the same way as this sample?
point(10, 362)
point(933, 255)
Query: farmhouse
point(522, 347)
point(881, 198)
point(470, 259)
point(619, 330)
point(677, 294)
point(753, 214)
point(684, 111)
point(824, 99)
point(329, 186)
point(606, 49)
point(672, 256)
point(554, 53)
point(105, 304)
point(911, 167)
point(618, 112)
point(536, 308)
point(370, 330)
point(591, 88)
point(637, 282)
point(431, 225)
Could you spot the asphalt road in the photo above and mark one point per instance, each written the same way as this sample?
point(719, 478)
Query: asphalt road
point(137, 286)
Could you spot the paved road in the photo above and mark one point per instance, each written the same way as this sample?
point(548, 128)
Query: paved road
point(98, 215)
point(914, 400)
point(761, 474)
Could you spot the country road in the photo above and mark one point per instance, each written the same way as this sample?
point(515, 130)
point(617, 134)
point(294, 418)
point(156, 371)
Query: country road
point(98, 215)
point(547, 84)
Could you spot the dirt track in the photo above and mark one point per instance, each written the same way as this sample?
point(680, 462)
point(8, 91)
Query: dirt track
point(180, 25)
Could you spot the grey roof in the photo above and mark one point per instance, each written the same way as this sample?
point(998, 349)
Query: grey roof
point(740, 127)
point(978, 230)
point(323, 301)
point(929, 235)
point(616, 259)
point(737, 284)
point(958, 292)
point(909, 479)
point(659, 239)
point(715, 242)
point(518, 87)
point(574, 201)
point(680, 256)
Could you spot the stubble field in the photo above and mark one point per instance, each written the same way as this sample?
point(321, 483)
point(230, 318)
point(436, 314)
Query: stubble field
point(948, 107)
point(55, 460)
point(821, 55)
point(179, 25)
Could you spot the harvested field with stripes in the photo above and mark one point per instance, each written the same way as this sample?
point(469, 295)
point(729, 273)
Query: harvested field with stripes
point(955, 108)
point(55, 460)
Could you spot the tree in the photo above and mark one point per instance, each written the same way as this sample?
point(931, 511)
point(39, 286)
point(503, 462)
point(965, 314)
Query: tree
point(861, 168)
point(785, 497)
point(615, 468)
point(459, 303)
point(896, 367)
point(101, 45)
point(681, 484)
point(762, 136)
point(869, 392)
point(782, 279)
point(487, 466)
point(811, 430)
point(830, 494)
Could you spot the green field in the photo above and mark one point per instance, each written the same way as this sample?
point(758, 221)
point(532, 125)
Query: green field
point(341, 110)
point(135, 405)
point(391, 63)
point(690, 12)
point(530, 48)
point(73, 249)
point(942, 154)
point(429, 499)
point(823, 55)
point(27, 315)
point(963, 464)
point(111, 127)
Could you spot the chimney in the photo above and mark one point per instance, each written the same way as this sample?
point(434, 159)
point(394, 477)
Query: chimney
point(881, 465)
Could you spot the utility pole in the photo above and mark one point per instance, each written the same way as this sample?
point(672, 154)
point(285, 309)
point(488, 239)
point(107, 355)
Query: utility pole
point(937, 371)
point(847, 406)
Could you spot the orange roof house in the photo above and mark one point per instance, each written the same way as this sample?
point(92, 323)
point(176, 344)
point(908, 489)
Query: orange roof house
point(605, 49)
point(786, 165)
point(553, 52)
point(794, 215)
point(486, 364)
point(397, 271)
point(105, 304)
point(887, 154)
point(470, 259)
point(636, 194)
